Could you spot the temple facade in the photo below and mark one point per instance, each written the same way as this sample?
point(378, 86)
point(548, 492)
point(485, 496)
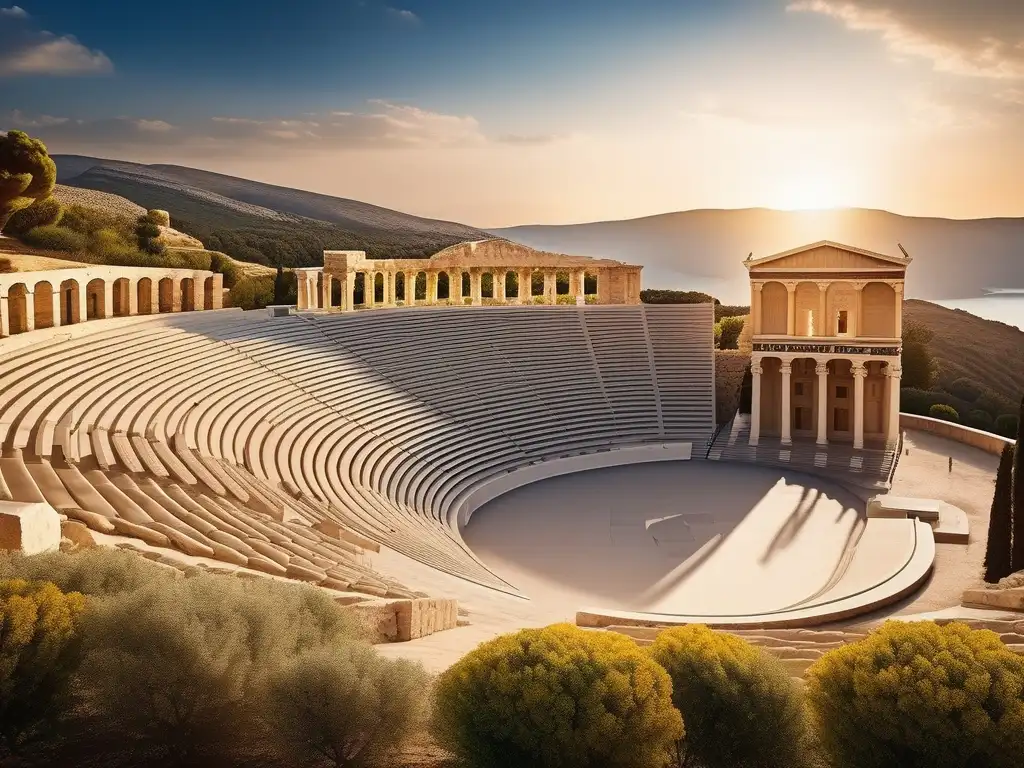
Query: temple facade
point(827, 321)
point(486, 271)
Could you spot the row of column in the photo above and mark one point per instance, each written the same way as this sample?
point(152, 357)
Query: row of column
point(859, 370)
point(308, 287)
point(858, 313)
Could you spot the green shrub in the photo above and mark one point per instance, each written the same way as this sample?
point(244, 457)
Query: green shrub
point(42, 213)
point(223, 264)
point(731, 328)
point(920, 695)
point(55, 238)
point(665, 296)
point(85, 221)
point(5, 265)
point(96, 572)
point(39, 632)
point(979, 419)
point(344, 706)
point(965, 389)
point(1006, 425)
point(944, 412)
point(558, 696)
point(739, 704)
point(252, 293)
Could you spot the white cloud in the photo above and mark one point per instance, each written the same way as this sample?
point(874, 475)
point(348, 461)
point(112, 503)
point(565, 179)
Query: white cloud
point(20, 120)
point(403, 15)
point(14, 12)
point(26, 50)
point(977, 38)
point(155, 126)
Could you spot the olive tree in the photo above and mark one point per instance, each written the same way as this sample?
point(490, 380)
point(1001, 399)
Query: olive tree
point(27, 173)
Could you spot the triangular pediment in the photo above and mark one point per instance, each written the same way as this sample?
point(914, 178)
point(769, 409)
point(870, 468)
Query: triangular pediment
point(826, 254)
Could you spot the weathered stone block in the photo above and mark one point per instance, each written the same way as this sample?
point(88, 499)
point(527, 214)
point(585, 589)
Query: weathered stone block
point(30, 528)
point(77, 533)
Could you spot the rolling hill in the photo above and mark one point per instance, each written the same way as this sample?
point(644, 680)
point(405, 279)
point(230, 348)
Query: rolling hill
point(703, 249)
point(261, 222)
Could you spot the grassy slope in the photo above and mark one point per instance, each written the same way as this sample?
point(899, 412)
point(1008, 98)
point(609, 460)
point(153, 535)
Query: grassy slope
point(967, 346)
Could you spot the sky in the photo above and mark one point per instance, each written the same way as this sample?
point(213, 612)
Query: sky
point(543, 111)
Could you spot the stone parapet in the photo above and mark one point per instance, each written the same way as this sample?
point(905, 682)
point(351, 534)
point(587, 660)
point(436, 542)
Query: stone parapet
point(398, 621)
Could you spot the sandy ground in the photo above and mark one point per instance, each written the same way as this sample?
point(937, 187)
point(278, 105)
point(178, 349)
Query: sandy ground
point(26, 259)
point(602, 547)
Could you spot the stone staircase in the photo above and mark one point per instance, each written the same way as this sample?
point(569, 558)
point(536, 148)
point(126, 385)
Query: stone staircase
point(866, 471)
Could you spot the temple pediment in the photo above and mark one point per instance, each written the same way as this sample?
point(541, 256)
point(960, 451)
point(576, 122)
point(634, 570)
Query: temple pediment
point(826, 255)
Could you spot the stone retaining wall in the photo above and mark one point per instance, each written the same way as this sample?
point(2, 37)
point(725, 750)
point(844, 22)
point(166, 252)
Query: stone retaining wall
point(397, 621)
point(976, 438)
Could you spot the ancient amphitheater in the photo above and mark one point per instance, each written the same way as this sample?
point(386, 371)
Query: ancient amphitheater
point(510, 464)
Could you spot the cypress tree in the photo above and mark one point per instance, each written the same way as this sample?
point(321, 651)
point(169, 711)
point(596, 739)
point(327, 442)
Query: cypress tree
point(280, 290)
point(1017, 503)
point(1000, 522)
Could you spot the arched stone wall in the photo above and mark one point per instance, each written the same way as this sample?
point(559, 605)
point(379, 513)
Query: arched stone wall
point(879, 308)
point(807, 310)
point(70, 302)
point(444, 282)
point(44, 304)
point(208, 289)
point(17, 307)
point(165, 295)
point(121, 296)
point(188, 294)
point(145, 298)
point(774, 308)
point(95, 300)
point(842, 297)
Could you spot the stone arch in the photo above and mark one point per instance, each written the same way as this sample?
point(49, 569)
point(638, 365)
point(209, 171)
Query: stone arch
point(400, 287)
point(120, 297)
point(808, 310)
point(358, 288)
point(188, 294)
point(589, 284)
point(420, 287)
point(841, 305)
point(208, 293)
point(536, 283)
point(378, 288)
point(774, 308)
point(771, 395)
point(165, 295)
point(467, 282)
point(70, 302)
point(95, 300)
point(17, 306)
point(878, 304)
point(511, 285)
point(487, 284)
point(803, 397)
point(43, 298)
point(144, 296)
point(561, 283)
point(444, 286)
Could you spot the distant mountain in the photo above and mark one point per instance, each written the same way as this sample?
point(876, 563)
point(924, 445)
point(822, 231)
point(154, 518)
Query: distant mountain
point(262, 222)
point(704, 249)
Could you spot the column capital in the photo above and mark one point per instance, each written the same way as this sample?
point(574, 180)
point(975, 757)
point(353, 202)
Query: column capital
point(821, 368)
point(786, 367)
point(823, 285)
point(897, 285)
point(756, 369)
point(858, 285)
point(791, 286)
point(859, 370)
point(893, 371)
point(757, 285)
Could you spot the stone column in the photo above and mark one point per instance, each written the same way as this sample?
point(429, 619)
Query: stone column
point(893, 375)
point(499, 285)
point(83, 300)
point(898, 289)
point(300, 290)
point(218, 294)
point(858, 305)
point(550, 287)
point(55, 311)
point(328, 290)
point(525, 286)
point(821, 325)
point(755, 307)
point(410, 289)
point(859, 374)
point(389, 288)
point(755, 400)
point(431, 295)
point(348, 292)
point(5, 317)
point(369, 289)
point(108, 297)
point(822, 370)
point(455, 286)
point(787, 407)
point(475, 286)
point(30, 311)
point(791, 309)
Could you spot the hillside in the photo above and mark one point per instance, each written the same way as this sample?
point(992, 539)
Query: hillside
point(703, 250)
point(988, 353)
point(260, 222)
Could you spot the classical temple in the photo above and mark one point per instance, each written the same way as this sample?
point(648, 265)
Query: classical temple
point(456, 275)
point(827, 324)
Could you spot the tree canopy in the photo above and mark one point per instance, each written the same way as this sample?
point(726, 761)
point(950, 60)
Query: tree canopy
point(27, 173)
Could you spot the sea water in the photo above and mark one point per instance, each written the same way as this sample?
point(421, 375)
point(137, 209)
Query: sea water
point(1003, 309)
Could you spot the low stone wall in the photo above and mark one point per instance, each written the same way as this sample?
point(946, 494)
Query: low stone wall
point(975, 438)
point(397, 621)
point(1011, 599)
point(729, 367)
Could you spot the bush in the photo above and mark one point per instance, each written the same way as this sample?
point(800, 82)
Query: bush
point(178, 665)
point(920, 695)
point(221, 263)
point(344, 706)
point(55, 238)
point(558, 696)
point(944, 412)
point(665, 296)
point(965, 389)
point(979, 419)
point(1006, 425)
point(85, 220)
point(731, 328)
point(252, 293)
point(97, 572)
point(39, 628)
point(5, 265)
point(740, 706)
point(42, 213)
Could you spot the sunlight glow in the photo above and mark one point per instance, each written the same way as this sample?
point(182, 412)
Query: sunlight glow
point(808, 192)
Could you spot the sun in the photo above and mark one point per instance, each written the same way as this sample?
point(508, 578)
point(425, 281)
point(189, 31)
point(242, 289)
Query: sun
point(808, 193)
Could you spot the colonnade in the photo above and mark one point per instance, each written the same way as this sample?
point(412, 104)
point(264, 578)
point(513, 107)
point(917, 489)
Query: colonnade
point(826, 399)
point(812, 307)
point(54, 298)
